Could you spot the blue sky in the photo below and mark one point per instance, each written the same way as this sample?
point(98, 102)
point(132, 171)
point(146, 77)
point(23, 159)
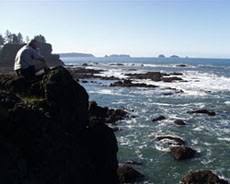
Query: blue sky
point(196, 28)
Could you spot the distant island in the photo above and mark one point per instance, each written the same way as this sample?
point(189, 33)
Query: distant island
point(174, 56)
point(161, 56)
point(118, 56)
point(76, 54)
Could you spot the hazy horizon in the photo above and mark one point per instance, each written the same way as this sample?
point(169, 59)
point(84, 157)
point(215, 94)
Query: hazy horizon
point(139, 28)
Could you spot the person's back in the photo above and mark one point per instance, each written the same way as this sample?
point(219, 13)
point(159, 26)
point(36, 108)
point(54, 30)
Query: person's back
point(25, 64)
point(23, 58)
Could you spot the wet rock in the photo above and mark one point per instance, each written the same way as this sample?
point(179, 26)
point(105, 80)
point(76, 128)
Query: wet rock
point(202, 111)
point(171, 140)
point(181, 65)
point(176, 73)
point(179, 122)
point(159, 118)
point(168, 93)
point(84, 64)
point(84, 81)
point(182, 152)
point(156, 76)
point(104, 114)
point(132, 162)
point(116, 64)
point(171, 79)
point(202, 177)
point(129, 83)
point(128, 174)
point(84, 73)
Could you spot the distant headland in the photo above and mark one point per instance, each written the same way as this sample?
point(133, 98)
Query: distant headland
point(117, 56)
point(76, 54)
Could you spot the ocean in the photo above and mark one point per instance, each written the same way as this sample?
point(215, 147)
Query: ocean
point(207, 86)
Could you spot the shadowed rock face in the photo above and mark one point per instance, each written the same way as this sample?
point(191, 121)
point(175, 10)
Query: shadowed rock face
point(128, 174)
point(182, 152)
point(45, 137)
point(104, 114)
point(202, 177)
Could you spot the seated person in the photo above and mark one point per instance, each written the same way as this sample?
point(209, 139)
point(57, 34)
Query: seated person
point(28, 60)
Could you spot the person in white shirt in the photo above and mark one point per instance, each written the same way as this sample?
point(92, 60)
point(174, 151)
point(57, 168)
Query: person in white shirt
point(28, 60)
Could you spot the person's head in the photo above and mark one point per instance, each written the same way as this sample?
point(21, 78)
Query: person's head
point(33, 43)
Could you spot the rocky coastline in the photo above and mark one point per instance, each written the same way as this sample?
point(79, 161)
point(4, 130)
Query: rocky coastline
point(50, 124)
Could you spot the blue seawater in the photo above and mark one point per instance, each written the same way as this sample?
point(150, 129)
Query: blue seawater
point(207, 86)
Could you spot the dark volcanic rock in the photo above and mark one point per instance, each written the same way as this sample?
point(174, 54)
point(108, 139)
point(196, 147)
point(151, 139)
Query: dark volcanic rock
point(159, 118)
point(202, 177)
point(129, 83)
point(127, 174)
point(85, 73)
point(156, 76)
point(171, 79)
point(104, 114)
point(182, 152)
point(46, 137)
point(181, 65)
point(202, 111)
point(179, 122)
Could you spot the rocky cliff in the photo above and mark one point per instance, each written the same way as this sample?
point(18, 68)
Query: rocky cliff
point(8, 53)
point(46, 135)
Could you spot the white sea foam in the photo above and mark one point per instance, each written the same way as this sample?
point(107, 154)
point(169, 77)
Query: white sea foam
point(198, 84)
point(227, 102)
point(224, 139)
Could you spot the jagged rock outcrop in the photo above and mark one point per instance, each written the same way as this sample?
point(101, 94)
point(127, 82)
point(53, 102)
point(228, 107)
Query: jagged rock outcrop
point(202, 177)
point(9, 51)
point(128, 174)
point(182, 152)
point(45, 133)
point(157, 76)
point(104, 114)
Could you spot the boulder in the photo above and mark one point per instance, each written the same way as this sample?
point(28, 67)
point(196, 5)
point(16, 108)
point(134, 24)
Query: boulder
point(202, 111)
point(182, 152)
point(104, 114)
point(202, 177)
point(179, 122)
point(128, 174)
point(159, 118)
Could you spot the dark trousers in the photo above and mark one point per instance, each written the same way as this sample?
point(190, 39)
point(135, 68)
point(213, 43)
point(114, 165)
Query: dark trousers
point(28, 73)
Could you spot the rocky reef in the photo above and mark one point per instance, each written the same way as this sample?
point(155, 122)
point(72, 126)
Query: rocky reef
point(47, 136)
